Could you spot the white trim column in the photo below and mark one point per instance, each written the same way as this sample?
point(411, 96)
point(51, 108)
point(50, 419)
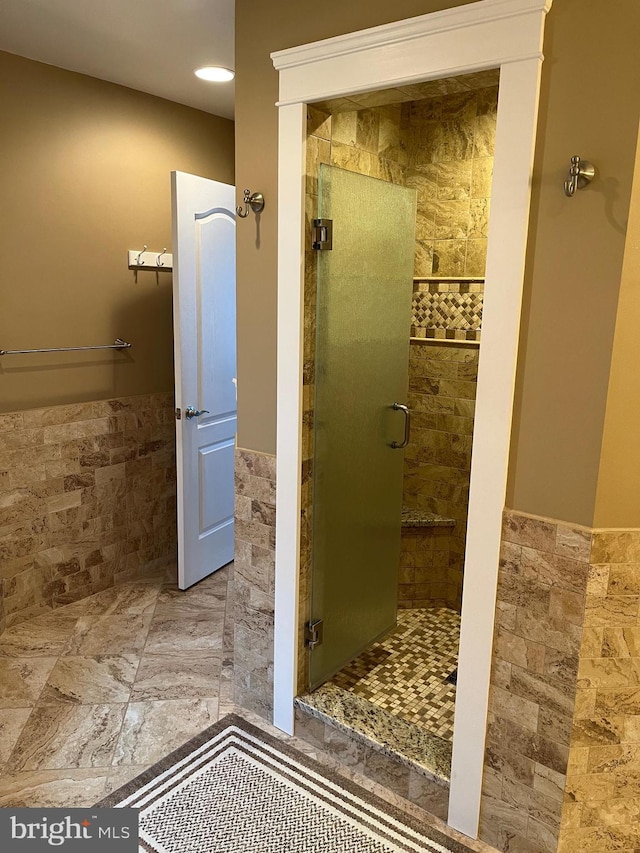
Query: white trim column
point(292, 123)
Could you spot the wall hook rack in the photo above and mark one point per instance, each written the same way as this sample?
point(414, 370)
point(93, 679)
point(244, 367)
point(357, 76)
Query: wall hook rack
point(255, 201)
point(581, 173)
point(144, 260)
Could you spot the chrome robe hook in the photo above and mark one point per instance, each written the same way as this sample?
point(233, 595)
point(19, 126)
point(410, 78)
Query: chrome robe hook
point(581, 173)
point(255, 201)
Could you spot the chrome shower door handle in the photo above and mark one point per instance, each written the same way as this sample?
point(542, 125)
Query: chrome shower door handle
point(398, 407)
point(190, 412)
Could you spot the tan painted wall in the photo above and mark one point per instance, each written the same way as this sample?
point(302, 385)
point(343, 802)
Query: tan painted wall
point(85, 176)
point(588, 106)
point(618, 496)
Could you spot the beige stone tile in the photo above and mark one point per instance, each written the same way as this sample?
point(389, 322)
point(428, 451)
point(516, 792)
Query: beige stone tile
point(68, 788)
point(484, 135)
point(197, 600)
point(574, 542)
point(64, 501)
point(42, 636)
point(624, 579)
point(12, 721)
point(524, 593)
point(66, 735)
point(190, 675)
point(451, 219)
point(554, 725)
point(543, 838)
point(344, 126)
point(479, 219)
point(517, 650)
point(119, 776)
point(598, 580)
point(621, 642)
point(592, 639)
point(585, 703)
point(91, 680)
point(108, 635)
point(533, 533)
point(615, 758)
point(578, 761)
point(454, 180)
point(22, 680)
point(597, 731)
point(318, 122)
point(625, 701)
point(609, 673)
point(549, 782)
point(354, 159)
point(481, 177)
point(611, 610)
point(368, 130)
point(618, 546)
point(603, 839)
point(571, 815)
point(566, 606)
point(12, 421)
point(523, 711)
point(153, 729)
point(449, 257)
point(611, 812)
point(548, 692)
point(587, 787)
point(167, 636)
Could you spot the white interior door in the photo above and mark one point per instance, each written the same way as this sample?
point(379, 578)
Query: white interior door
point(204, 305)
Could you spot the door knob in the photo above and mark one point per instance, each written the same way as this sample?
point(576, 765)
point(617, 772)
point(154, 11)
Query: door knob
point(190, 412)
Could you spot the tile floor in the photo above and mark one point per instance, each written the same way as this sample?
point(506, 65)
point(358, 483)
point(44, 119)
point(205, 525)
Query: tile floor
point(405, 674)
point(93, 693)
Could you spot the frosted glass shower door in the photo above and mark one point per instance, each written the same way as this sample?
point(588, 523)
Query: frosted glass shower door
point(362, 352)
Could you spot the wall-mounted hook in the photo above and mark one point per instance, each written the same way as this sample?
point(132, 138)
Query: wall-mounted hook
point(154, 260)
point(581, 173)
point(255, 201)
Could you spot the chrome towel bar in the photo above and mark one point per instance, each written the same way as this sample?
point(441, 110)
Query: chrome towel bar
point(117, 344)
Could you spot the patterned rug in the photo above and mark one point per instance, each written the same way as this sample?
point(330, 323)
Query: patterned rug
point(236, 789)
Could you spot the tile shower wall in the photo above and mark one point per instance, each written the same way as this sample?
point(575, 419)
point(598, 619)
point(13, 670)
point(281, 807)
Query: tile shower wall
point(542, 583)
point(254, 580)
point(87, 498)
point(437, 461)
point(450, 146)
point(442, 146)
point(602, 797)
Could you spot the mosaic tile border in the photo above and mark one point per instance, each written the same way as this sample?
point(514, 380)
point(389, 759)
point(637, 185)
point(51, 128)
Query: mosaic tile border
point(447, 309)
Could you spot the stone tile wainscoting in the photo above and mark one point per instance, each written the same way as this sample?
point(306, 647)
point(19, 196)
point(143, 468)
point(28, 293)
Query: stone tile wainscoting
point(87, 499)
point(254, 580)
point(539, 611)
point(562, 766)
point(602, 797)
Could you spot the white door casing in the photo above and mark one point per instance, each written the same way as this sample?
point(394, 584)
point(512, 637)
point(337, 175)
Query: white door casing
point(204, 311)
point(491, 33)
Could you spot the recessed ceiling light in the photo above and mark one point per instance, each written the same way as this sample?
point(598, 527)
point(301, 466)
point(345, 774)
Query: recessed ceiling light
point(215, 73)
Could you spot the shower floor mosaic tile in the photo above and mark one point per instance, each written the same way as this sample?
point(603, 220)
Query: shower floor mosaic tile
point(406, 673)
